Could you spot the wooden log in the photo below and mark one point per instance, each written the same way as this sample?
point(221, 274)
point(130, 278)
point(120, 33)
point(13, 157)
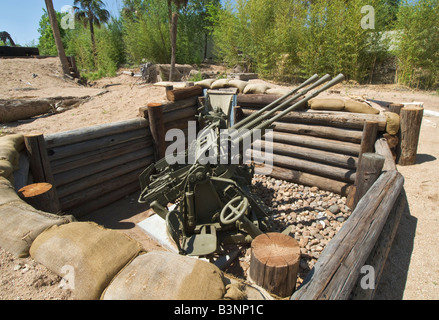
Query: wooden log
point(338, 267)
point(348, 135)
point(237, 114)
point(342, 147)
point(171, 106)
point(38, 158)
point(378, 257)
point(274, 263)
point(335, 159)
point(306, 179)
point(382, 148)
point(329, 118)
point(259, 100)
point(319, 169)
point(42, 196)
point(94, 132)
point(156, 125)
point(370, 167)
point(94, 192)
point(104, 200)
point(101, 177)
point(184, 113)
point(184, 93)
point(99, 155)
point(396, 107)
point(94, 144)
point(411, 119)
point(368, 137)
point(90, 169)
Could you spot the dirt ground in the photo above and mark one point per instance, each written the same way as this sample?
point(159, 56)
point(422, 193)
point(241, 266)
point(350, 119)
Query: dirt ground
point(412, 271)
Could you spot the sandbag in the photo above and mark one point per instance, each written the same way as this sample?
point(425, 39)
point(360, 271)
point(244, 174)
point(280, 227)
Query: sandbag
point(393, 122)
point(359, 107)
point(240, 84)
point(161, 275)
point(20, 223)
point(258, 88)
point(6, 168)
point(332, 104)
point(205, 83)
point(220, 83)
point(10, 146)
point(278, 91)
point(95, 255)
point(16, 140)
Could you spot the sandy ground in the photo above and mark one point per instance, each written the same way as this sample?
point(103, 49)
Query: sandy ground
point(412, 270)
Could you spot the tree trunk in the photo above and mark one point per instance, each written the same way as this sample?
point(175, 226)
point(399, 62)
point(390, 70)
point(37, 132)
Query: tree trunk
point(57, 36)
point(173, 44)
point(93, 41)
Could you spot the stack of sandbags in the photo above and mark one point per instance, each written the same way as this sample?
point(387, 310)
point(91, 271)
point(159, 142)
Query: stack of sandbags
point(90, 253)
point(163, 275)
point(20, 222)
point(10, 147)
point(337, 104)
point(243, 86)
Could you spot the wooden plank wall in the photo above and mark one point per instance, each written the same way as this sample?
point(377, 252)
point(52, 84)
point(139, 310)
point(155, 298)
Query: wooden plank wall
point(97, 165)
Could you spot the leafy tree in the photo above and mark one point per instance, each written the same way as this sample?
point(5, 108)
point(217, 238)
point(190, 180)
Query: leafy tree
point(91, 13)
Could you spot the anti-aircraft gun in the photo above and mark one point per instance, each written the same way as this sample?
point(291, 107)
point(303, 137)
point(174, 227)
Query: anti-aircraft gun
point(213, 202)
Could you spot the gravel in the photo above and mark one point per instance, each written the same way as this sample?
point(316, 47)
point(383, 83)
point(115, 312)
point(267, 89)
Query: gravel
point(313, 215)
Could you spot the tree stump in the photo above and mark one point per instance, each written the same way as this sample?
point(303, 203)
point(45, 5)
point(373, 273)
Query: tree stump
point(274, 263)
point(41, 196)
point(411, 119)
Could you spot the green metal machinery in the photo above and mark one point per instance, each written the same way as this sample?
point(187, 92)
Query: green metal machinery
point(213, 202)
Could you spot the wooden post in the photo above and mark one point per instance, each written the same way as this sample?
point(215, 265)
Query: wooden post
point(41, 196)
point(157, 127)
point(411, 119)
point(274, 263)
point(38, 158)
point(237, 114)
point(371, 165)
point(183, 93)
point(370, 129)
point(396, 108)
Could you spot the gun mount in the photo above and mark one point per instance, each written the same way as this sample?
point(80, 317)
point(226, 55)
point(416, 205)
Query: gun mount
point(213, 202)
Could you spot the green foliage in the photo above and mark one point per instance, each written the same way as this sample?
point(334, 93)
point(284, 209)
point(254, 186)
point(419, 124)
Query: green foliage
point(418, 44)
point(287, 40)
point(46, 45)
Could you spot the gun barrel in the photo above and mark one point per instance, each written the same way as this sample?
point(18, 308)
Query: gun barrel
point(259, 112)
point(263, 123)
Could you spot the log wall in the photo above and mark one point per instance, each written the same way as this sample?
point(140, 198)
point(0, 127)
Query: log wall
point(321, 148)
point(94, 166)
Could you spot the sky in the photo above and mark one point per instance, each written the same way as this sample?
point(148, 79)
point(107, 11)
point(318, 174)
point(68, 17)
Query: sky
point(20, 18)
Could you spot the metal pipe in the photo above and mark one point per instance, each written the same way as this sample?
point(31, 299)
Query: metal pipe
point(269, 122)
point(259, 112)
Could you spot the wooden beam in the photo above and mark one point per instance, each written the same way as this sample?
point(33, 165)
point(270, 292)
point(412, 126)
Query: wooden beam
point(349, 135)
point(371, 165)
point(157, 127)
point(93, 132)
point(329, 118)
point(338, 268)
point(411, 119)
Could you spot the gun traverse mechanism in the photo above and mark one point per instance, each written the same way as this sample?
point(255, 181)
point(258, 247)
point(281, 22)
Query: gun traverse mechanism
point(213, 202)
